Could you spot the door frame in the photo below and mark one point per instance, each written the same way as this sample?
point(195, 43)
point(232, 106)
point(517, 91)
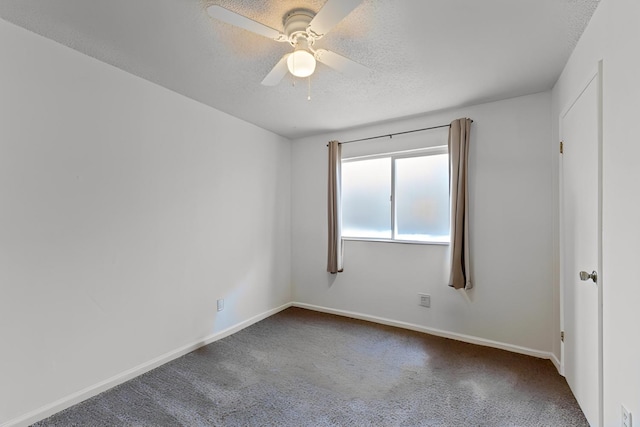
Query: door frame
point(597, 76)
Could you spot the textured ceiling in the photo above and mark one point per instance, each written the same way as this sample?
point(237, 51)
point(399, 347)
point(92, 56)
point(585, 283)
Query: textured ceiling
point(423, 55)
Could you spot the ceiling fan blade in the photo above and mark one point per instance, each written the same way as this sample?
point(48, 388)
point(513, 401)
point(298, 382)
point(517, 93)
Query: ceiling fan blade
point(225, 15)
point(340, 63)
point(277, 73)
point(331, 13)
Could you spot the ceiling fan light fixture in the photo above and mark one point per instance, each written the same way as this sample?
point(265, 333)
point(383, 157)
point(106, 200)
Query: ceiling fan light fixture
point(301, 63)
point(301, 29)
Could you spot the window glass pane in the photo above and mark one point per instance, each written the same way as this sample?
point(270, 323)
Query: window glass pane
point(422, 198)
point(366, 191)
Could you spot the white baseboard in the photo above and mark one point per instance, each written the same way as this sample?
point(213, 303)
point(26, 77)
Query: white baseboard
point(446, 334)
point(556, 362)
point(93, 390)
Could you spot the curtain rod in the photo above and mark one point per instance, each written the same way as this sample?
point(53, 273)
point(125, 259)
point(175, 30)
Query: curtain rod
point(391, 135)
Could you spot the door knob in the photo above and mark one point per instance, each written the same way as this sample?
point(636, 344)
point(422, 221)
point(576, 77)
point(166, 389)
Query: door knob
point(584, 276)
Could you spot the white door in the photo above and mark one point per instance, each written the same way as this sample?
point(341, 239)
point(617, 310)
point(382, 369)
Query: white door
point(581, 243)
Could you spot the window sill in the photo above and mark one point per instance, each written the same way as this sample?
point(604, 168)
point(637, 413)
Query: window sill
point(405, 242)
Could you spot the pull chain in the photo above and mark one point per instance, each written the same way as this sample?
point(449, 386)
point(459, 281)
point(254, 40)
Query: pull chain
point(293, 84)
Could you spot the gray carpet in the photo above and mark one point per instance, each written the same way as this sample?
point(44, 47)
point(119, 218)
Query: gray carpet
point(302, 368)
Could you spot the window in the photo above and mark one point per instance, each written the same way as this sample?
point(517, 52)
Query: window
point(397, 197)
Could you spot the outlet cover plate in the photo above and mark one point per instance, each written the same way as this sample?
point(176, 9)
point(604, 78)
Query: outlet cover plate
point(425, 300)
point(220, 304)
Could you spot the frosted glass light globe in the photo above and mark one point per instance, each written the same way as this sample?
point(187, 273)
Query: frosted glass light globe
point(301, 63)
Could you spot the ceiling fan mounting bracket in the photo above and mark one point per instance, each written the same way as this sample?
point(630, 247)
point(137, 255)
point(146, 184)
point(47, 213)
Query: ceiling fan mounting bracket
point(296, 23)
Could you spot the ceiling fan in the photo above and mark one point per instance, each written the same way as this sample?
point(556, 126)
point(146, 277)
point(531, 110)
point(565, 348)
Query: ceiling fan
point(301, 29)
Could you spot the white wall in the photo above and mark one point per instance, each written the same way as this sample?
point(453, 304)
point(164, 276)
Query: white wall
point(126, 211)
point(613, 35)
point(511, 237)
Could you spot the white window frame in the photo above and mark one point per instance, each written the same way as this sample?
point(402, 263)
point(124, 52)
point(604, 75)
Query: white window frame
point(422, 152)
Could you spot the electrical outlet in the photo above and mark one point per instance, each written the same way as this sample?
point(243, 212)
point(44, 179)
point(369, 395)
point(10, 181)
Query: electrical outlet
point(220, 304)
point(626, 417)
point(425, 300)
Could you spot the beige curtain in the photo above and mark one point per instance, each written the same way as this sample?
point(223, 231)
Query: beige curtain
point(459, 131)
point(334, 195)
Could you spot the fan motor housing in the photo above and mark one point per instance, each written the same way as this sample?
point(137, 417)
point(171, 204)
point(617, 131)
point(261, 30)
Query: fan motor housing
point(296, 23)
